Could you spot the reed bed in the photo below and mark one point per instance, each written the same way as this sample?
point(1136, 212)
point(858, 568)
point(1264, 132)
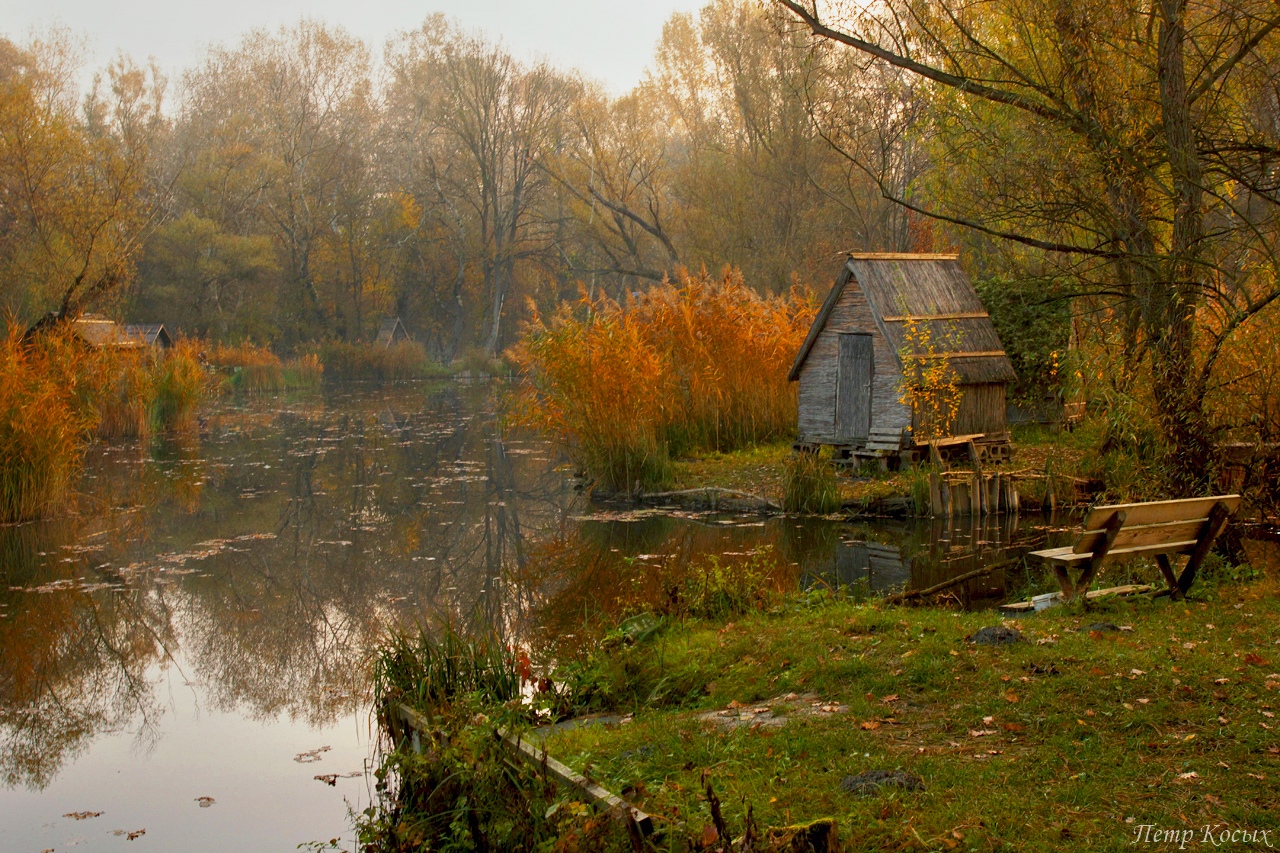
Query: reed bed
point(699, 364)
point(405, 360)
point(809, 484)
point(127, 395)
point(180, 383)
point(44, 422)
point(255, 369)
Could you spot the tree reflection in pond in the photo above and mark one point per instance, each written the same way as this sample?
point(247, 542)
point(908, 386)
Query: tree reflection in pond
point(257, 562)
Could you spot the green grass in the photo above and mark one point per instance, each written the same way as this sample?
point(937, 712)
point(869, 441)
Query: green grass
point(1081, 732)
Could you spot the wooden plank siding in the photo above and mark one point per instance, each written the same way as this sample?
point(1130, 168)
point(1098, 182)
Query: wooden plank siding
point(818, 375)
point(876, 295)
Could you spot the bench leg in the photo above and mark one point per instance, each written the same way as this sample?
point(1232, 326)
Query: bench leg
point(1166, 569)
point(1064, 581)
point(1213, 526)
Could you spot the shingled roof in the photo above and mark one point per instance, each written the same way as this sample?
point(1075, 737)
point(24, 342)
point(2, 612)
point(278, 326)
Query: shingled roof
point(932, 291)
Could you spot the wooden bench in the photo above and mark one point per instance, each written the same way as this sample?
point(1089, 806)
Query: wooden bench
point(1159, 529)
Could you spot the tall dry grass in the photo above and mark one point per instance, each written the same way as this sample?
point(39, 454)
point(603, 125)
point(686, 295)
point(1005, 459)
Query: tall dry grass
point(405, 360)
point(180, 382)
point(698, 364)
point(249, 367)
point(255, 369)
point(45, 417)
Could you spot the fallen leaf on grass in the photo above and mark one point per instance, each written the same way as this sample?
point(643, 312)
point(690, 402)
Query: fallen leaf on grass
point(709, 835)
point(1254, 659)
point(892, 697)
point(988, 720)
point(1222, 681)
point(981, 732)
point(1192, 775)
point(871, 725)
point(82, 815)
point(1011, 697)
point(1011, 727)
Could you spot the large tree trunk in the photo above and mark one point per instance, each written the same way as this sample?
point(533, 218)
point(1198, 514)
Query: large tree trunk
point(1171, 310)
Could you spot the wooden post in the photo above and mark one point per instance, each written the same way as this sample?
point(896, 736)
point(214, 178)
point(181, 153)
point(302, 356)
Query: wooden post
point(935, 495)
point(1213, 526)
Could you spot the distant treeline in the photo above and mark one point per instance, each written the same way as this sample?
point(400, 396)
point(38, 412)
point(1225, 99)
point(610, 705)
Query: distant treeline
point(299, 186)
point(1106, 169)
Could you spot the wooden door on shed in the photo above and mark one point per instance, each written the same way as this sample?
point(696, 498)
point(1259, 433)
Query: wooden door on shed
point(854, 370)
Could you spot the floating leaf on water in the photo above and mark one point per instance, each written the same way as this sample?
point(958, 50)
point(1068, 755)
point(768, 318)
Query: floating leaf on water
point(311, 756)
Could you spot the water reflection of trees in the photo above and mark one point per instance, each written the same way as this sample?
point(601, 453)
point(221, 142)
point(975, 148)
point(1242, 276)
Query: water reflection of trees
point(290, 534)
point(75, 663)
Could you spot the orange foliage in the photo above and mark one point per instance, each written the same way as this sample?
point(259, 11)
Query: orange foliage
point(700, 364)
point(45, 417)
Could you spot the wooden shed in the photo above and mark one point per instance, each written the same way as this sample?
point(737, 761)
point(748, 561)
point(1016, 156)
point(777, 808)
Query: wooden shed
point(850, 365)
point(100, 333)
point(150, 334)
point(391, 332)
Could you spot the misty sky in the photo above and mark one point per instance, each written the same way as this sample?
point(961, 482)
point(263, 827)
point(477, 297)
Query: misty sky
point(610, 40)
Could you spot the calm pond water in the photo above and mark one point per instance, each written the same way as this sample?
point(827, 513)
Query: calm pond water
point(189, 652)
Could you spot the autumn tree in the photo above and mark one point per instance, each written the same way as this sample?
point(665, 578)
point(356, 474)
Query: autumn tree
point(1133, 145)
point(76, 198)
point(481, 126)
point(278, 134)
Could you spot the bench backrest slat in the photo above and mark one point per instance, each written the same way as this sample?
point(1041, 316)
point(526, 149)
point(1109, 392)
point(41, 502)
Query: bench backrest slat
point(1151, 523)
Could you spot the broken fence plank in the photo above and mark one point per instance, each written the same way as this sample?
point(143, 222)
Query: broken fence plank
point(562, 773)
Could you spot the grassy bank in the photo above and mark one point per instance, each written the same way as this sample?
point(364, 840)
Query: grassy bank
point(1073, 738)
point(1041, 457)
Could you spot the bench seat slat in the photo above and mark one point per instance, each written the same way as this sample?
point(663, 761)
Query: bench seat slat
point(1157, 512)
point(1066, 556)
point(1133, 536)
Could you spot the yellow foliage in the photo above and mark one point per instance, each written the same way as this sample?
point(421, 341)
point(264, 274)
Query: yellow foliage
point(929, 384)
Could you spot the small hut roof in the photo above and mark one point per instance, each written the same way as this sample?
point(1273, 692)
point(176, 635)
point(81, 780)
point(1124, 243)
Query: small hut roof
point(933, 292)
point(149, 333)
point(391, 331)
point(98, 331)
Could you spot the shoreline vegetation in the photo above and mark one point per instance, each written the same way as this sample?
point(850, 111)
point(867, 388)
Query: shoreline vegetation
point(746, 718)
point(58, 394)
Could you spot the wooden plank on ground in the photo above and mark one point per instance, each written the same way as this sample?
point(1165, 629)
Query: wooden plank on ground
point(562, 773)
point(1022, 607)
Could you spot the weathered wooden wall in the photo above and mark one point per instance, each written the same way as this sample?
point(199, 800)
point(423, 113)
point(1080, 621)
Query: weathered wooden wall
point(982, 410)
point(852, 313)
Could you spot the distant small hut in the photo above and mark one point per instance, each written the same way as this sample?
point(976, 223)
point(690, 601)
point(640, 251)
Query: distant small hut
point(850, 366)
point(100, 333)
point(392, 332)
point(150, 334)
